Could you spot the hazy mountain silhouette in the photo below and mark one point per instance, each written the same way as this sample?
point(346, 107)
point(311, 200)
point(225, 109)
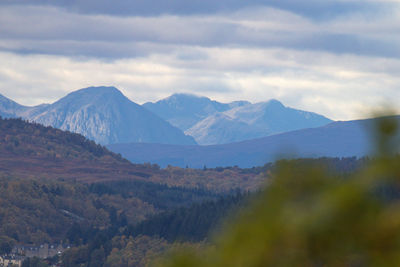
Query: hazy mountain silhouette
point(337, 139)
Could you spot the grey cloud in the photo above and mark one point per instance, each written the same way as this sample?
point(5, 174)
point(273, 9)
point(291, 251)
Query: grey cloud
point(347, 43)
point(316, 9)
point(53, 31)
point(82, 49)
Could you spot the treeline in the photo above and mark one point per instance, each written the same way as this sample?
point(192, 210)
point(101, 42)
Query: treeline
point(160, 196)
point(25, 202)
point(336, 164)
point(31, 210)
point(187, 224)
point(37, 210)
point(130, 243)
point(194, 223)
point(340, 166)
point(309, 215)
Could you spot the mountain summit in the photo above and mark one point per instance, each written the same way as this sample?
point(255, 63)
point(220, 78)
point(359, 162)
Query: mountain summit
point(185, 110)
point(106, 116)
point(211, 122)
point(253, 121)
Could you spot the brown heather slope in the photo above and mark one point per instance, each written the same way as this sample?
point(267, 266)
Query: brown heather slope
point(29, 150)
point(32, 150)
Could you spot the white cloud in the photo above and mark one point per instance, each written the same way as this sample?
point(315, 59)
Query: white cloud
point(51, 30)
point(338, 86)
point(340, 67)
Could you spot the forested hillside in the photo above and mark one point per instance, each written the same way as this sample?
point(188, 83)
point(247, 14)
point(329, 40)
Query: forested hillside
point(137, 244)
point(189, 224)
point(192, 226)
point(57, 186)
point(29, 150)
point(38, 211)
point(310, 215)
point(70, 181)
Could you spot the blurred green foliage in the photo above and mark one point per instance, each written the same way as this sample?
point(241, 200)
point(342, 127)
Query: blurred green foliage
point(309, 216)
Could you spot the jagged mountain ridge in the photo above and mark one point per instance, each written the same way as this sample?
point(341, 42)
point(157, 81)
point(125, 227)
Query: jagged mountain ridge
point(253, 121)
point(185, 110)
point(105, 115)
point(211, 122)
point(102, 114)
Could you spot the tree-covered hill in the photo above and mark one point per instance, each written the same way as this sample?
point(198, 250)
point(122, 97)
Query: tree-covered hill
point(190, 226)
point(29, 150)
point(37, 211)
point(51, 180)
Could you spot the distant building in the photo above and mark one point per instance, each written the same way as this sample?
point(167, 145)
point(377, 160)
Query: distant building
point(11, 260)
point(43, 251)
point(20, 252)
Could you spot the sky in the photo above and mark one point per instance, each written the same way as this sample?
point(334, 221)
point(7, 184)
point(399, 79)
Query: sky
point(339, 58)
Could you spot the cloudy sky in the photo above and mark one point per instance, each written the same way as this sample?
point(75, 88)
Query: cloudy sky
point(340, 58)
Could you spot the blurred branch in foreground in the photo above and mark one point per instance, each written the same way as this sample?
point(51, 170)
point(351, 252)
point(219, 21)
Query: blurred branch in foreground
point(308, 216)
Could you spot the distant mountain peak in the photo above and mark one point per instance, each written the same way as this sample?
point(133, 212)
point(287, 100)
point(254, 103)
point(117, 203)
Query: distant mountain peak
point(186, 99)
point(184, 110)
point(253, 121)
point(274, 102)
point(100, 97)
point(185, 95)
point(102, 114)
point(96, 91)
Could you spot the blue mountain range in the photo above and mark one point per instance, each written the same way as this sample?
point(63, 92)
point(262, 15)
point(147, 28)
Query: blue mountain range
point(102, 114)
point(337, 139)
point(211, 122)
point(106, 116)
point(165, 132)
